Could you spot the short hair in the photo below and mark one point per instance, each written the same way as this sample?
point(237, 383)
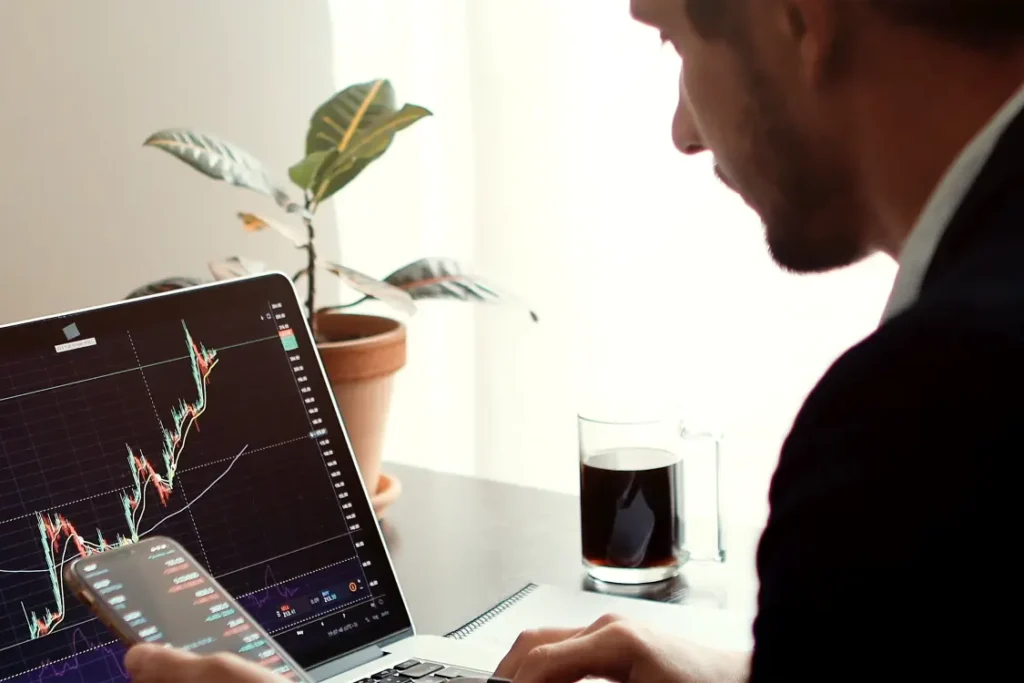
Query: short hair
point(979, 24)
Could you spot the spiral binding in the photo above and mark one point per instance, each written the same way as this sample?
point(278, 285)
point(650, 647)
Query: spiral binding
point(510, 601)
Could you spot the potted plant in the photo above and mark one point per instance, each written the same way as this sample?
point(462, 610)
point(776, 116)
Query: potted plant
point(361, 353)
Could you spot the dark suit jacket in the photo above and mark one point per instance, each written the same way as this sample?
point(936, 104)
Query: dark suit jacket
point(892, 550)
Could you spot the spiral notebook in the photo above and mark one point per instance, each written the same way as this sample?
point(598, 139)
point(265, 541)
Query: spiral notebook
point(536, 606)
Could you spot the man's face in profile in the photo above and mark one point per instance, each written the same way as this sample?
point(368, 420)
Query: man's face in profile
point(744, 96)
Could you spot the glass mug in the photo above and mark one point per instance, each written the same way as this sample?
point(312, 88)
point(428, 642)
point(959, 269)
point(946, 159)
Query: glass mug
point(649, 499)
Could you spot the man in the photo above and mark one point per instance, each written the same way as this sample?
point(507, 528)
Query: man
point(853, 126)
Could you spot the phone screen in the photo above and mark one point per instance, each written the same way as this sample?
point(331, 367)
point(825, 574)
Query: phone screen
point(159, 594)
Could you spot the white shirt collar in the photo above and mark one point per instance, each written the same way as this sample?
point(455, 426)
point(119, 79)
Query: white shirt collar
point(920, 245)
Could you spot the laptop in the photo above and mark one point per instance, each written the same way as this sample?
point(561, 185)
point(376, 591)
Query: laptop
point(219, 389)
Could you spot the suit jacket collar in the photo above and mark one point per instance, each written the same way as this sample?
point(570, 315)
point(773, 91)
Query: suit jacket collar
point(939, 212)
point(999, 180)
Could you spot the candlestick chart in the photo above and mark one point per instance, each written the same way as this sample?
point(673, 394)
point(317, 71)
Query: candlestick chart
point(70, 494)
point(203, 425)
point(57, 533)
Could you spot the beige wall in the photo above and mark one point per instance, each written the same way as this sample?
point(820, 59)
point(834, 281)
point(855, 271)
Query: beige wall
point(86, 212)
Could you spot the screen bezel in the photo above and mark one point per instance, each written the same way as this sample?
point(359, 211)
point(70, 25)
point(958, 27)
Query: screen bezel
point(116, 558)
point(39, 332)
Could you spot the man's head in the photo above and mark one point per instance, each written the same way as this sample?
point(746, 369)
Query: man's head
point(787, 93)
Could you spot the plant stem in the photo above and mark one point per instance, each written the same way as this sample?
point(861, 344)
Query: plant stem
point(311, 266)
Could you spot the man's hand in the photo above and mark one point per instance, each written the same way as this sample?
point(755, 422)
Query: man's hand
point(617, 650)
point(159, 664)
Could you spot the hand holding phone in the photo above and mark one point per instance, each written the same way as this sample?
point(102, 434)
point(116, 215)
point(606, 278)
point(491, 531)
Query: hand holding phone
point(154, 592)
point(147, 663)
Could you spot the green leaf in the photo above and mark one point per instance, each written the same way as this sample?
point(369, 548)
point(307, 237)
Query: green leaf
point(340, 180)
point(346, 133)
point(445, 278)
point(364, 284)
point(341, 166)
point(336, 121)
point(303, 173)
point(375, 141)
point(221, 160)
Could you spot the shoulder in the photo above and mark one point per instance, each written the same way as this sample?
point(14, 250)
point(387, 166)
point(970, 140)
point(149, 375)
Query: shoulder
point(916, 389)
point(903, 455)
point(970, 338)
point(980, 259)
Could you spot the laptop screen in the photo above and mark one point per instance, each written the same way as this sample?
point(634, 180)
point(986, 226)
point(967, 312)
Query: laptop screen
point(202, 415)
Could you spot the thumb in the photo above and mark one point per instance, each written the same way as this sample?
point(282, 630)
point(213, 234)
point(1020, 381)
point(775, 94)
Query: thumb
point(150, 662)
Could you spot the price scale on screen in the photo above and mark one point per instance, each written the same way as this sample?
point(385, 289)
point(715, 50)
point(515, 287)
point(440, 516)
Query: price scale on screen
point(300, 370)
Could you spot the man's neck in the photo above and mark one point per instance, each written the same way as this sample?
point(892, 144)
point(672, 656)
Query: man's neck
point(916, 122)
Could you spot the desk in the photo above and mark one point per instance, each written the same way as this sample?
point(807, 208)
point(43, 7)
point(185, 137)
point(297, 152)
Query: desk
point(462, 544)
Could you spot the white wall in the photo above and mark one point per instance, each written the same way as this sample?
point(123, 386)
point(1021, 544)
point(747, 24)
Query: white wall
point(655, 278)
point(418, 200)
point(657, 289)
point(86, 212)
point(549, 165)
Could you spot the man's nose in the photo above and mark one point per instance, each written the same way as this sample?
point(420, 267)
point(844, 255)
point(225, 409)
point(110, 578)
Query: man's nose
point(684, 129)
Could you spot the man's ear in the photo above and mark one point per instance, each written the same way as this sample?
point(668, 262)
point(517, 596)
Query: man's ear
point(812, 28)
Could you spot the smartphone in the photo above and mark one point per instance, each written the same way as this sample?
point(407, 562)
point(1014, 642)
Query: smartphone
point(153, 591)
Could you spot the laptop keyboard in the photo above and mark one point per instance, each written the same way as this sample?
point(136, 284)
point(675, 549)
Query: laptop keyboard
point(422, 672)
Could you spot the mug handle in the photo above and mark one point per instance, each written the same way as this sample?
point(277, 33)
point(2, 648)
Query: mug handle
point(719, 552)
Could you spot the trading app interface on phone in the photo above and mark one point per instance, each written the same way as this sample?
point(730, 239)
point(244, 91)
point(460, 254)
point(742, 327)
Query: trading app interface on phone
point(200, 416)
point(161, 596)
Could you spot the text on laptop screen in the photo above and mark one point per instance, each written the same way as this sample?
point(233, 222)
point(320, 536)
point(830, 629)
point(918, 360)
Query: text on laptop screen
point(200, 415)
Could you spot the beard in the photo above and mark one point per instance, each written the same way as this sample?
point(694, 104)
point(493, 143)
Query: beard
point(807, 200)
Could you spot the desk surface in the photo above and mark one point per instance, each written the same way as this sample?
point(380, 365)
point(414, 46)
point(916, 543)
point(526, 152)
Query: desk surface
point(462, 544)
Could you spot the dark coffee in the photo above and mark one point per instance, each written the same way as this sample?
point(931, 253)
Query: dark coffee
point(630, 500)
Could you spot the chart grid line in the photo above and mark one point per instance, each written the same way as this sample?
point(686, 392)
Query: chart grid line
point(58, 661)
point(145, 382)
point(277, 557)
point(83, 622)
point(304, 437)
point(248, 452)
point(296, 578)
point(154, 364)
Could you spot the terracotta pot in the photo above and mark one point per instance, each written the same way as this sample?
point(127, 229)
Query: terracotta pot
point(361, 354)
